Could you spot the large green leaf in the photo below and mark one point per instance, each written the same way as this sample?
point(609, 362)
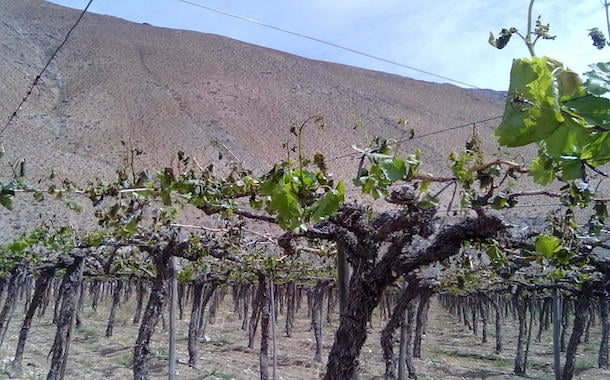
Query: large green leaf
point(532, 109)
point(593, 109)
point(568, 139)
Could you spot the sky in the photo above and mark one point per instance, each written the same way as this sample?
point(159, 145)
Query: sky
point(444, 37)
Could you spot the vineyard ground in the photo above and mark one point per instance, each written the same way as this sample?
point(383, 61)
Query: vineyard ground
point(450, 350)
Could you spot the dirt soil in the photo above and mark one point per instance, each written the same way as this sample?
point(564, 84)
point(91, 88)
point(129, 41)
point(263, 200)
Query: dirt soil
point(450, 350)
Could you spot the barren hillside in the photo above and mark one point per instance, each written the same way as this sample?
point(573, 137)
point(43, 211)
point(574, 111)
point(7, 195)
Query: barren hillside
point(171, 89)
point(168, 90)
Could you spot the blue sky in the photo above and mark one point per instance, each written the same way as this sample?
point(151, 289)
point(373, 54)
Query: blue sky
point(445, 37)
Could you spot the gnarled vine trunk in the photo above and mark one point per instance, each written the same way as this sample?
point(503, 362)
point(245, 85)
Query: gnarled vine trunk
point(420, 320)
point(602, 360)
point(580, 320)
point(520, 305)
point(65, 317)
point(17, 277)
point(316, 316)
point(367, 285)
point(116, 300)
point(201, 297)
point(398, 318)
point(265, 306)
point(42, 283)
point(156, 301)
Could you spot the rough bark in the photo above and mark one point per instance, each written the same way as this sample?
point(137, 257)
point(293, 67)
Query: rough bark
point(420, 320)
point(61, 344)
point(332, 302)
point(557, 333)
point(580, 319)
point(95, 294)
point(173, 305)
point(156, 301)
point(264, 306)
point(343, 275)
point(398, 318)
point(520, 305)
point(181, 297)
point(193, 338)
point(213, 307)
point(564, 324)
point(17, 277)
point(474, 315)
point(367, 286)
point(79, 306)
point(529, 334)
point(202, 292)
point(602, 360)
point(246, 305)
point(116, 300)
point(42, 283)
point(140, 290)
point(316, 316)
point(256, 309)
point(409, 335)
point(57, 304)
point(498, 325)
point(290, 307)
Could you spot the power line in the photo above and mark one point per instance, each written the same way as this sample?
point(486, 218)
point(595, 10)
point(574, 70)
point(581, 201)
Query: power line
point(359, 52)
point(452, 128)
point(46, 66)
point(425, 135)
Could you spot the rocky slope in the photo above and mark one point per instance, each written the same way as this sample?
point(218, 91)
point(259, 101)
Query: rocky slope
point(168, 90)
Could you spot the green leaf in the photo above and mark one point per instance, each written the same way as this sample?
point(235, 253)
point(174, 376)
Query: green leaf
point(428, 201)
point(328, 204)
point(496, 255)
point(598, 79)
point(568, 139)
point(18, 247)
point(593, 109)
point(6, 200)
point(547, 246)
point(288, 209)
point(532, 109)
point(571, 169)
point(542, 170)
point(597, 152)
point(394, 169)
point(166, 197)
point(568, 82)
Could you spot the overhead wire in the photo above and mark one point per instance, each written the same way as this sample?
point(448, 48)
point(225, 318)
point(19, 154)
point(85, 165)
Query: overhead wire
point(359, 52)
point(13, 115)
point(335, 45)
point(445, 130)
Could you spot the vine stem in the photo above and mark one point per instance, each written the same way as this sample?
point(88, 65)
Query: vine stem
point(528, 39)
point(528, 36)
point(262, 235)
